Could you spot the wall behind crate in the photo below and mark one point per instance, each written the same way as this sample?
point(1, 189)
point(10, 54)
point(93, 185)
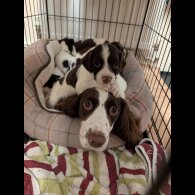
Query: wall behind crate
point(115, 20)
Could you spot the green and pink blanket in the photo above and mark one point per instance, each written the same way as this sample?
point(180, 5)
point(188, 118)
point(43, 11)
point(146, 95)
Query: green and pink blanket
point(56, 170)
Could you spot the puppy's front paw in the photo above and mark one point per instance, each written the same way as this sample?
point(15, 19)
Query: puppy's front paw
point(114, 89)
point(107, 88)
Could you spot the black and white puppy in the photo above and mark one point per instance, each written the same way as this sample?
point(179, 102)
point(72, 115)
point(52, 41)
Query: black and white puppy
point(71, 51)
point(100, 67)
point(67, 58)
point(65, 61)
point(100, 113)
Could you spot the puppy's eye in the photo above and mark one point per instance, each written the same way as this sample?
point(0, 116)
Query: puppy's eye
point(115, 65)
point(97, 64)
point(65, 64)
point(113, 111)
point(87, 105)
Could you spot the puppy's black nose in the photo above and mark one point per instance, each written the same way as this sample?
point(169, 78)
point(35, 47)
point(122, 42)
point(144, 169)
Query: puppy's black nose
point(65, 64)
point(106, 79)
point(96, 139)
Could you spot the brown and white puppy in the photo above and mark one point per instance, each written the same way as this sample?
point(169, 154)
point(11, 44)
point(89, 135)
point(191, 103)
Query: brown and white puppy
point(100, 67)
point(66, 59)
point(100, 113)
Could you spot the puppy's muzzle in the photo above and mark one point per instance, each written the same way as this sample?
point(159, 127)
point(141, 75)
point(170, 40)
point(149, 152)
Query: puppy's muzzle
point(95, 139)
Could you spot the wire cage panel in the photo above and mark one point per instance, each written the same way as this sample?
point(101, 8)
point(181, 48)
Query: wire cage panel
point(35, 21)
point(115, 20)
point(142, 26)
point(155, 57)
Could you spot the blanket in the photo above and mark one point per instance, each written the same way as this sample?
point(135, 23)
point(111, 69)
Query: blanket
point(52, 169)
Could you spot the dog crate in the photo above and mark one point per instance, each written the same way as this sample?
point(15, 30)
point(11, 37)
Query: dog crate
point(143, 27)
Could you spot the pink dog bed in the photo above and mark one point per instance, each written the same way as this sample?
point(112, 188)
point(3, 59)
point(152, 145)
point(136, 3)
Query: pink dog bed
point(54, 127)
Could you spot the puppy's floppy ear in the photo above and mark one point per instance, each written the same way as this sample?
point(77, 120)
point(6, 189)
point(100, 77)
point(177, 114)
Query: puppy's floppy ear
point(69, 43)
point(127, 126)
point(86, 61)
point(70, 105)
point(118, 46)
point(121, 52)
point(122, 59)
